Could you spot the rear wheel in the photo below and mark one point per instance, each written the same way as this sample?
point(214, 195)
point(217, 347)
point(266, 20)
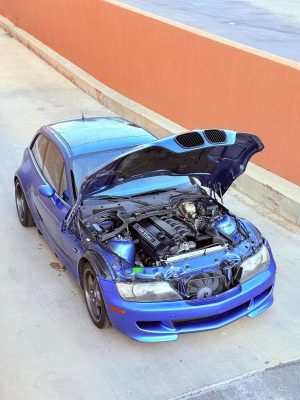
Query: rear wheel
point(23, 211)
point(93, 298)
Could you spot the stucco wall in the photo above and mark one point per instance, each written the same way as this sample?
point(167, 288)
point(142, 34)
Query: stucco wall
point(193, 78)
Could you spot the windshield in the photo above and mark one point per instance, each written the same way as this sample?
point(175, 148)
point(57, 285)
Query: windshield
point(148, 184)
point(83, 164)
point(87, 162)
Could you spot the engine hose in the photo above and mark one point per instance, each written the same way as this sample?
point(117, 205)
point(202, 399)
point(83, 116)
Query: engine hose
point(124, 222)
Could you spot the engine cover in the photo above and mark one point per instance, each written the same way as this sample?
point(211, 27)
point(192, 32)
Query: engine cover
point(152, 237)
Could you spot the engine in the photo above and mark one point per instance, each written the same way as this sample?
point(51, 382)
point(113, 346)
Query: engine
point(190, 226)
point(158, 235)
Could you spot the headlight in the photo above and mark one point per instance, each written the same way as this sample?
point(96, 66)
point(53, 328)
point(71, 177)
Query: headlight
point(147, 292)
point(255, 264)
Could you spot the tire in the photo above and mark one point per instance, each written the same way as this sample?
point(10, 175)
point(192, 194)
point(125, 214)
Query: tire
point(93, 298)
point(23, 211)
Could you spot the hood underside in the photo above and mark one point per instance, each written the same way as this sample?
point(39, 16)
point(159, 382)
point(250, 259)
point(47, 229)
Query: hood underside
point(198, 154)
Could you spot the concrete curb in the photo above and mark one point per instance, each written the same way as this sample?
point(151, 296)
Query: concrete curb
point(276, 193)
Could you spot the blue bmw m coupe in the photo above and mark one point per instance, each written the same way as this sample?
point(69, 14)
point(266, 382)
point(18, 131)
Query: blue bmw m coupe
point(140, 224)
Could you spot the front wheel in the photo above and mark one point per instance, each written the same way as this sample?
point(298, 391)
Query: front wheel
point(93, 298)
point(23, 211)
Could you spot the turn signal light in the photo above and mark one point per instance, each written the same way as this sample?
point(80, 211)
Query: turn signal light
point(117, 309)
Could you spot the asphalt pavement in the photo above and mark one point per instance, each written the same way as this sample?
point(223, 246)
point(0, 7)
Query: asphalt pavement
point(278, 383)
point(49, 348)
point(270, 25)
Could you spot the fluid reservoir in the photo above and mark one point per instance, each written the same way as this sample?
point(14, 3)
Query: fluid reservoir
point(227, 225)
point(123, 246)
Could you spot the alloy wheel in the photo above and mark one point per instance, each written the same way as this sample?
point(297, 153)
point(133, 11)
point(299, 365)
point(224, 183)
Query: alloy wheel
point(20, 201)
point(92, 294)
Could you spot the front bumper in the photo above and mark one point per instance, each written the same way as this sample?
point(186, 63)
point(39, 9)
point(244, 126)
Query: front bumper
point(151, 322)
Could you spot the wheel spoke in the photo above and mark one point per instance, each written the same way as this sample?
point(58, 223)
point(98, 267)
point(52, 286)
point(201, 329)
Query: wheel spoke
point(90, 284)
point(98, 299)
point(94, 308)
point(94, 283)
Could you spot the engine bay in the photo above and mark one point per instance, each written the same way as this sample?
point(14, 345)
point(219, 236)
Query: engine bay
point(163, 235)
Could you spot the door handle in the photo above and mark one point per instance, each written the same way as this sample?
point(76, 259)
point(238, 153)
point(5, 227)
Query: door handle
point(75, 250)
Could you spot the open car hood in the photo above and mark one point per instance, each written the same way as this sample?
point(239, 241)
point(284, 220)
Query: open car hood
point(215, 157)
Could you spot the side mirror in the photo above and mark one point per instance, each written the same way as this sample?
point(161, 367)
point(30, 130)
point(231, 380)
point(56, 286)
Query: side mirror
point(47, 191)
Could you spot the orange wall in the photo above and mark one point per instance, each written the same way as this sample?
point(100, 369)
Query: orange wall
point(193, 78)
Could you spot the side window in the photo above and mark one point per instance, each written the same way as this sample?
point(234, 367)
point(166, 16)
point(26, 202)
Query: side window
point(54, 167)
point(39, 149)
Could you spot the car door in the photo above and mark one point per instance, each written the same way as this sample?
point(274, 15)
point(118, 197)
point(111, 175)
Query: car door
point(53, 173)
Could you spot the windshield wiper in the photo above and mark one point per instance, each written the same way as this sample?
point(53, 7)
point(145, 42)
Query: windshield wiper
point(188, 193)
point(155, 191)
point(106, 197)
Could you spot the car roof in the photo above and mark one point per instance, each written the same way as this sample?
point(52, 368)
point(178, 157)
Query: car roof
point(87, 135)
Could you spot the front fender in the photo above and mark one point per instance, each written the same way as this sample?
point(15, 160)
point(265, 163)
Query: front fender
point(99, 263)
point(253, 229)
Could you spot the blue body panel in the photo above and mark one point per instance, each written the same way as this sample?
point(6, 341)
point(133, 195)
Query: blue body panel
point(141, 321)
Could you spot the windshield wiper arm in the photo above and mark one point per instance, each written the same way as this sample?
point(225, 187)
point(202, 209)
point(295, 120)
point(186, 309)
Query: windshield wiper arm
point(187, 193)
point(155, 191)
point(110, 197)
